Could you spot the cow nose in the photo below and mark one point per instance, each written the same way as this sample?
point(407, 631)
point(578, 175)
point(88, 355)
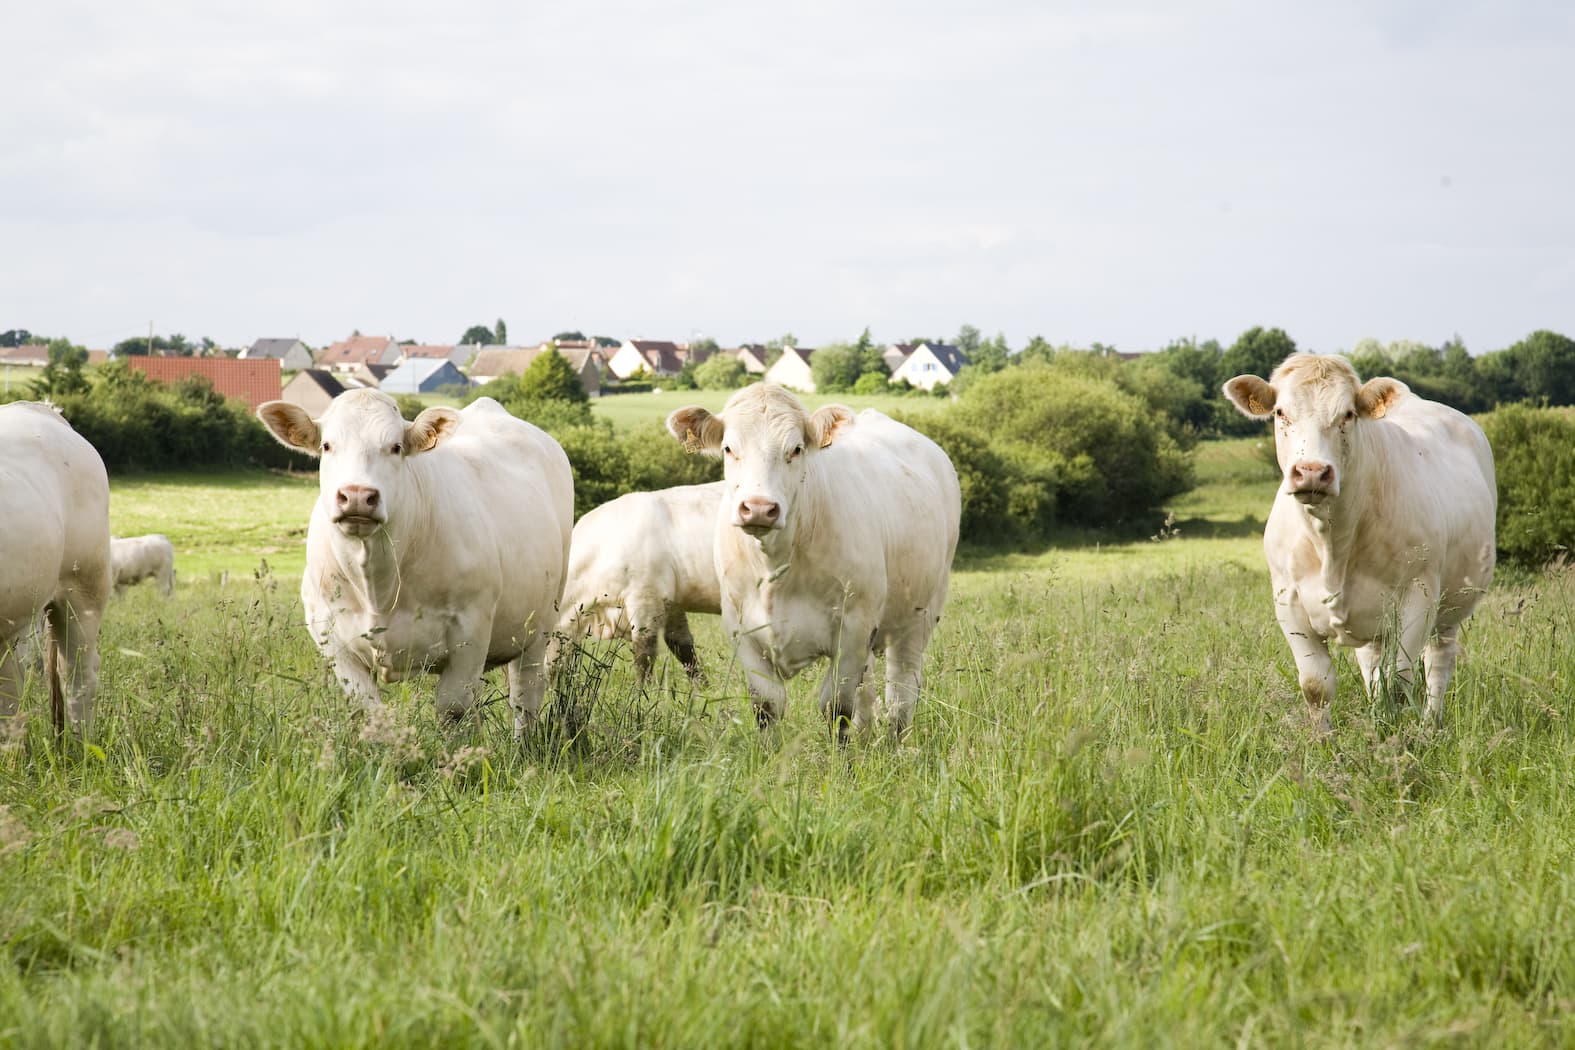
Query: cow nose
point(1310, 475)
point(357, 500)
point(758, 512)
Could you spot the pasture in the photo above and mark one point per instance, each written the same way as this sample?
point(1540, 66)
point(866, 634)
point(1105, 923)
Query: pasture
point(624, 410)
point(1110, 824)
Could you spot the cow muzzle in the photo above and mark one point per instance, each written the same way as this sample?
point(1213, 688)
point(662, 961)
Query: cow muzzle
point(758, 516)
point(1311, 481)
point(358, 509)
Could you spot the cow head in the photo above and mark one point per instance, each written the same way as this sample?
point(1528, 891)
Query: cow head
point(363, 444)
point(1317, 402)
point(766, 441)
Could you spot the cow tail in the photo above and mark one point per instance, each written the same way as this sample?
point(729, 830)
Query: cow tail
point(57, 698)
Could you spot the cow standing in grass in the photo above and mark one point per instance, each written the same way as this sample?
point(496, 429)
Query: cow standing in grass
point(54, 556)
point(138, 558)
point(435, 545)
point(1381, 535)
point(639, 565)
point(834, 537)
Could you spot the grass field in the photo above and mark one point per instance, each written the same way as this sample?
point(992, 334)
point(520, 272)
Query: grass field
point(1109, 825)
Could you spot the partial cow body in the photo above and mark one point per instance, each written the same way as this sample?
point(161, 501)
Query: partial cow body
point(54, 554)
point(438, 545)
point(638, 565)
point(834, 537)
point(1381, 537)
point(138, 558)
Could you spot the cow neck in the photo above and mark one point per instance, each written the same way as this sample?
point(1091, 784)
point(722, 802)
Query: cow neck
point(376, 566)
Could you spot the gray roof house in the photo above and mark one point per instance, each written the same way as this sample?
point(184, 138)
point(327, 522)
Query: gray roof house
point(930, 365)
point(312, 389)
point(291, 354)
point(423, 375)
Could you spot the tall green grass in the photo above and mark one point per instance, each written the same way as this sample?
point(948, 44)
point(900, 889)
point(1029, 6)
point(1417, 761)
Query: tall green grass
point(1110, 824)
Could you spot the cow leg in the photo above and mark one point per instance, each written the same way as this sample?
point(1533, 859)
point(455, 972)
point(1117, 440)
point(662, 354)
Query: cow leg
point(457, 682)
point(10, 679)
point(75, 635)
point(904, 679)
point(645, 627)
point(1314, 667)
point(1440, 655)
point(355, 678)
point(527, 684)
point(682, 644)
point(766, 689)
point(839, 690)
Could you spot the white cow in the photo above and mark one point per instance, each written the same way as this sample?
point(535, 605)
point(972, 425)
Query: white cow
point(435, 545)
point(639, 565)
point(138, 558)
point(1381, 536)
point(834, 537)
point(54, 555)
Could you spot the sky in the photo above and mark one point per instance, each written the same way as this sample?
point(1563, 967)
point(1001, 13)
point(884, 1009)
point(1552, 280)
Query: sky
point(1123, 173)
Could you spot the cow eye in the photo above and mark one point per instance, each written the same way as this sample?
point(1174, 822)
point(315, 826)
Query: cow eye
point(1350, 414)
point(1279, 413)
point(396, 449)
point(727, 449)
point(327, 447)
point(797, 449)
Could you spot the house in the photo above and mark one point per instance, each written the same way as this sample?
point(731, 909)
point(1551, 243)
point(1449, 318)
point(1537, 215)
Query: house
point(423, 376)
point(584, 357)
point(347, 354)
point(895, 354)
point(656, 356)
point(291, 354)
point(792, 370)
point(366, 375)
point(930, 365)
point(753, 358)
point(252, 381)
point(459, 356)
point(34, 355)
point(313, 389)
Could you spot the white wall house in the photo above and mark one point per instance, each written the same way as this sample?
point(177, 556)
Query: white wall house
point(930, 365)
point(792, 370)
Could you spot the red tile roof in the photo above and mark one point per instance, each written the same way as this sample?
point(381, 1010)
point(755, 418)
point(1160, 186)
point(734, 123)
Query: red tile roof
point(354, 351)
point(415, 350)
point(253, 380)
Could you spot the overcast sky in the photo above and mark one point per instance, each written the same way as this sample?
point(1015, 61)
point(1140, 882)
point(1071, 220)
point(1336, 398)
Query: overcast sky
point(1083, 171)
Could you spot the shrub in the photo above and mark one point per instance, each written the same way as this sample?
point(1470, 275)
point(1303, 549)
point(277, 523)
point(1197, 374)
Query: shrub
point(720, 372)
point(1534, 457)
point(1108, 451)
point(871, 383)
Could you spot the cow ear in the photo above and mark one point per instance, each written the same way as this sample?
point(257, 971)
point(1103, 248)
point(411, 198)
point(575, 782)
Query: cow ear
point(430, 429)
point(1378, 396)
point(698, 429)
point(827, 422)
point(1251, 395)
point(291, 426)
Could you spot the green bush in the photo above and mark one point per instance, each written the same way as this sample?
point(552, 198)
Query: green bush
point(720, 372)
point(1534, 456)
point(1107, 450)
point(137, 424)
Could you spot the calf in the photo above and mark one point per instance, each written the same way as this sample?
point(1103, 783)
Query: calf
point(639, 565)
point(138, 558)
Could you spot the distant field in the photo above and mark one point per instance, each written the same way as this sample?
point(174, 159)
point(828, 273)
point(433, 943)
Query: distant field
point(627, 409)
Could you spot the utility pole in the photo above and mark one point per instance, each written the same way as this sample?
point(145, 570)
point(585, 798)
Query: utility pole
point(150, 338)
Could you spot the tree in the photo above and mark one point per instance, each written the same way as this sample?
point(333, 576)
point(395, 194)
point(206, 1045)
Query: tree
point(500, 332)
point(871, 360)
point(1038, 351)
point(63, 374)
point(835, 367)
point(17, 337)
point(1197, 361)
point(1544, 365)
point(551, 378)
point(571, 337)
point(720, 372)
point(967, 340)
point(1258, 351)
point(477, 334)
point(990, 355)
